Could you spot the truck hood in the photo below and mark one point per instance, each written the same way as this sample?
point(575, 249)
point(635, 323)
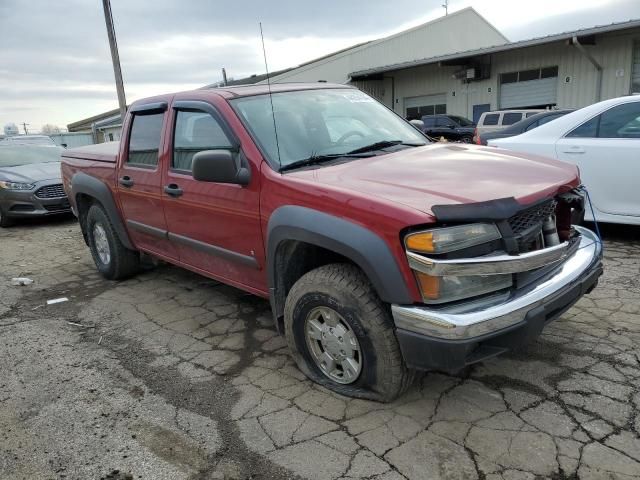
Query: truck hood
point(443, 173)
point(33, 172)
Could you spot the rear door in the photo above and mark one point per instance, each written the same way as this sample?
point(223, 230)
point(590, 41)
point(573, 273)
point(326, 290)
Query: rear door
point(607, 150)
point(139, 180)
point(215, 226)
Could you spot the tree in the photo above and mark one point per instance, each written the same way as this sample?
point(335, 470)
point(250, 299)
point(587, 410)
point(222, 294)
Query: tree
point(50, 129)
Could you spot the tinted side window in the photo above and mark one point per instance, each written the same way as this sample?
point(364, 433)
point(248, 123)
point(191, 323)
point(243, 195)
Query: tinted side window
point(548, 118)
point(586, 130)
point(533, 125)
point(622, 121)
point(195, 132)
point(429, 122)
point(443, 122)
point(144, 141)
point(491, 119)
point(511, 118)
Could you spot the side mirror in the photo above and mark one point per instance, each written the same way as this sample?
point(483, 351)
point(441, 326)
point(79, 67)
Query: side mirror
point(218, 166)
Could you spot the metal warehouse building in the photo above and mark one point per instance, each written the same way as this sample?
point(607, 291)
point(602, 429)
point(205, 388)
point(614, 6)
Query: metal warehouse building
point(460, 64)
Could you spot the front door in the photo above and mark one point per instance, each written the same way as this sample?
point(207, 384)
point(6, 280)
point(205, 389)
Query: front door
point(215, 226)
point(607, 150)
point(139, 181)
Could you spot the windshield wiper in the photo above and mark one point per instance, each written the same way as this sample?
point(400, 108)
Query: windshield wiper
point(317, 159)
point(383, 144)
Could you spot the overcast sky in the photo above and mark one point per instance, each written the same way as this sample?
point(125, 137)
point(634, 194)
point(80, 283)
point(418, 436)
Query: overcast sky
point(55, 65)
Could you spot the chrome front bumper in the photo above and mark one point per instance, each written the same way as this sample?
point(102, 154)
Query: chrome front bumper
point(475, 319)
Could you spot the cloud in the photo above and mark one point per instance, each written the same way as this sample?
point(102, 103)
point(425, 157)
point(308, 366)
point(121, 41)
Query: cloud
point(55, 58)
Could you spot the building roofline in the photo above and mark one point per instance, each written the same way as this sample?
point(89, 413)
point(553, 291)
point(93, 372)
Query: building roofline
point(93, 119)
point(613, 27)
point(371, 43)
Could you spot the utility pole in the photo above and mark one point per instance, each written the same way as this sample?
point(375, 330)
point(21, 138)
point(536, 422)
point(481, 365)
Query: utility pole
point(224, 77)
point(24, 127)
point(445, 5)
point(115, 58)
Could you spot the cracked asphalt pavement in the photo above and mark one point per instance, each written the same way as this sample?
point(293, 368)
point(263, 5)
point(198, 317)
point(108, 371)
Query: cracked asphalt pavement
point(173, 376)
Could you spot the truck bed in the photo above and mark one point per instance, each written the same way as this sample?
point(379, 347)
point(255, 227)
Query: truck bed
point(101, 152)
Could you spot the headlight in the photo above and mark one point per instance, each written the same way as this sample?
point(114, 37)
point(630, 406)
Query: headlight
point(16, 186)
point(443, 240)
point(450, 288)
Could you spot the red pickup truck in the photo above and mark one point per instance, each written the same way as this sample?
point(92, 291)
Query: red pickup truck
point(380, 252)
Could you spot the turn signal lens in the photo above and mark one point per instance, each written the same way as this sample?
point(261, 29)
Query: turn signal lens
point(443, 240)
point(420, 242)
point(429, 286)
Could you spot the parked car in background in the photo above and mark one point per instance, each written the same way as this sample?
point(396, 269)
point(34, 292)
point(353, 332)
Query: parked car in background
point(379, 251)
point(604, 141)
point(492, 121)
point(28, 140)
point(451, 127)
point(30, 182)
point(529, 123)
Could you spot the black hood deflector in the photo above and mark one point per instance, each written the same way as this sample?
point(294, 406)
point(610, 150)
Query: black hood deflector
point(492, 210)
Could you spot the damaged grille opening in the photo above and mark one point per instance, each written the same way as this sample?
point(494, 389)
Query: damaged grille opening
point(527, 227)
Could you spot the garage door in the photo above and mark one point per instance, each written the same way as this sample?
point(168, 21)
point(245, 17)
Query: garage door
point(416, 107)
point(529, 88)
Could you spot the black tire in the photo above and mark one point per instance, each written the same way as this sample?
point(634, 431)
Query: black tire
point(122, 262)
point(466, 139)
point(345, 289)
point(5, 220)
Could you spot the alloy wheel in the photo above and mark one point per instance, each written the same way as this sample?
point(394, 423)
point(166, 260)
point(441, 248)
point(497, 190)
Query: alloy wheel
point(333, 345)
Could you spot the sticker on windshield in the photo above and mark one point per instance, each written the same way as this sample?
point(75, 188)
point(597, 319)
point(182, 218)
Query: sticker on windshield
point(357, 97)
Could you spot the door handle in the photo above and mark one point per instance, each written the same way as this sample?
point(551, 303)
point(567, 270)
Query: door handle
point(126, 181)
point(574, 149)
point(173, 190)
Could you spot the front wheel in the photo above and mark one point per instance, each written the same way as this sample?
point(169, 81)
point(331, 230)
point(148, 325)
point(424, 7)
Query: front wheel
point(341, 335)
point(466, 139)
point(5, 221)
point(113, 260)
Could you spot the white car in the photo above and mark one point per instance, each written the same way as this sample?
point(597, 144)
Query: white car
point(603, 139)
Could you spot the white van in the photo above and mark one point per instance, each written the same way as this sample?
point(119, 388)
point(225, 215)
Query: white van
point(491, 121)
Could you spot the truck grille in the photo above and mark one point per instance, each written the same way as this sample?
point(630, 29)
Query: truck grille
point(531, 217)
point(527, 225)
point(51, 191)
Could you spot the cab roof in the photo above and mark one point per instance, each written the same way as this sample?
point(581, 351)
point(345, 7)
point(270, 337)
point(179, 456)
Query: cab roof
point(261, 89)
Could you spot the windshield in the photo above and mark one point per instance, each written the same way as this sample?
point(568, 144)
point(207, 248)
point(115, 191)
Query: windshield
point(313, 123)
point(463, 122)
point(15, 155)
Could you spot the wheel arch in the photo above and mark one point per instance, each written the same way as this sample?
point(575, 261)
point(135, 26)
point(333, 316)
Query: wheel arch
point(88, 190)
point(315, 238)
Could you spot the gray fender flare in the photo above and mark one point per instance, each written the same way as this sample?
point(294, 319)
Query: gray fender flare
point(365, 248)
point(81, 183)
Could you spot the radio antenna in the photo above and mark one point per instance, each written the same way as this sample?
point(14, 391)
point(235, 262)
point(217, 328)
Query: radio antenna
point(273, 113)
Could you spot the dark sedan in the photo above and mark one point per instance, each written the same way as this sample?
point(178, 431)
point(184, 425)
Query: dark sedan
point(522, 126)
point(30, 182)
point(451, 127)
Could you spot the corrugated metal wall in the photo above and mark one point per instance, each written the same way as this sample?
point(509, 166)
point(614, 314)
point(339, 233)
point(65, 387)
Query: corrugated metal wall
point(576, 75)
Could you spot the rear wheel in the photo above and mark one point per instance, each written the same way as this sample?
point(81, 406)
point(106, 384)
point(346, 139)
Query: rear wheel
point(341, 335)
point(113, 260)
point(467, 139)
